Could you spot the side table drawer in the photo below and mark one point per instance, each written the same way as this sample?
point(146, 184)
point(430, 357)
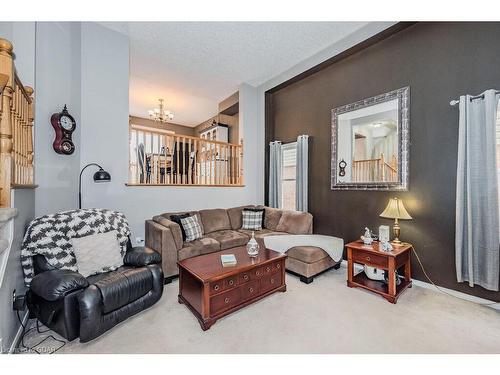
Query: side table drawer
point(359, 256)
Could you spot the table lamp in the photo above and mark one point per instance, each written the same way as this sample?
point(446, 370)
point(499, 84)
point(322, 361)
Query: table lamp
point(396, 210)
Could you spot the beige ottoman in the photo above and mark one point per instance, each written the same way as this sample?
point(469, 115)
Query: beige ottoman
point(308, 262)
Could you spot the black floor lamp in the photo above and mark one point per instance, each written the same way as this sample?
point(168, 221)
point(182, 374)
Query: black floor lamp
point(100, 176)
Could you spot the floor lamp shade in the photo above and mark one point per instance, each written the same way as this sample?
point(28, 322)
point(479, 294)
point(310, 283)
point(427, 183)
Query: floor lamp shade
point(100, 176)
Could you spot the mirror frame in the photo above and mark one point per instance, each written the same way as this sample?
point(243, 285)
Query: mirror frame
point(403, 96)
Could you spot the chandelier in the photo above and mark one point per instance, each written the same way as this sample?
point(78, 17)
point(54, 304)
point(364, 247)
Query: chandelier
point(160, 114)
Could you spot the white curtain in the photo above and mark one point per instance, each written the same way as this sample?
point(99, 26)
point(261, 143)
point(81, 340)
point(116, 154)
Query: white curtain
point(301, 190)
point(477, 216)
point(275, 179)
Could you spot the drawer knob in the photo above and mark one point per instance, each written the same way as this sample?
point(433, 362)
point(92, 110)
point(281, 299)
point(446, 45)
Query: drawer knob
point(278, 266)
point(226, 300)
point(250, 290)
point(245, 276)
point(231, 282)
point(257, 273)
point(368, 258)
point(272, 281)
point(216, 288)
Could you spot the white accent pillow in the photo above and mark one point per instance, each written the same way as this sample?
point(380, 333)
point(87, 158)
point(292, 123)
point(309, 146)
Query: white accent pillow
point(97, 253)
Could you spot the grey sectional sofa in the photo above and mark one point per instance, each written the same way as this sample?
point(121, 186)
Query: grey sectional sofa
point(222, 231)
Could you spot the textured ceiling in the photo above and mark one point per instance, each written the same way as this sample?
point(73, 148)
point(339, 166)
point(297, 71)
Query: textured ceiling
point(194, 65)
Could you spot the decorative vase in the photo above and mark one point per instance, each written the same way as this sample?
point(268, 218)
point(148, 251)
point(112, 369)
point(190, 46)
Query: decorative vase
point(252, 247)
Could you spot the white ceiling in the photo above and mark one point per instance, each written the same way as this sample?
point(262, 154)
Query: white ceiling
point(195, 65)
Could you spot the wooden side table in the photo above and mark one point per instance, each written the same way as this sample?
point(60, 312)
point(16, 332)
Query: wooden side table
point(371, 255)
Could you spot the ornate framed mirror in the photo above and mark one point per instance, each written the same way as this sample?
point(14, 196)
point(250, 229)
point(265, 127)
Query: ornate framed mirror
point(370, 143)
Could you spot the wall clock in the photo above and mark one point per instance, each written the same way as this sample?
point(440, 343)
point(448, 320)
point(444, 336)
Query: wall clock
point(64, 125)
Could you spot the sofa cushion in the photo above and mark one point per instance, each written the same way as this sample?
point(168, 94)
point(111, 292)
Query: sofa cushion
point(295, 222)
point(119, 288)
point(272, 217)
point(201, 246)
point(235, 217)
point(229, 238)
point(167, 215)
point(261, 233)
point(307, 254)
point(214, 220)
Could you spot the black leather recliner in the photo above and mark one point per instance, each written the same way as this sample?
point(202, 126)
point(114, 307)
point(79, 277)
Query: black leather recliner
point(75, 306)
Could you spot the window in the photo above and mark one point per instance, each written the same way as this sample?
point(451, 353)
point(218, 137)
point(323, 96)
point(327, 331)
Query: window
point(289, 151)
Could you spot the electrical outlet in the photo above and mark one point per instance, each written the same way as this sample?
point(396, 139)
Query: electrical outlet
point(18, 302)
point(139, 241)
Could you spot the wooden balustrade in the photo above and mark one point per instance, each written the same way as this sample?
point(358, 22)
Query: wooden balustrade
point(16, 128)
point(162, 158)
point(375, 170)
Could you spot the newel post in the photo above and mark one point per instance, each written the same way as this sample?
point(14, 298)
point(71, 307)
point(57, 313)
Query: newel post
point(7, 80)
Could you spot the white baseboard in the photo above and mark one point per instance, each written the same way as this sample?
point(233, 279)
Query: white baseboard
point(467, 297)
point(15, 342)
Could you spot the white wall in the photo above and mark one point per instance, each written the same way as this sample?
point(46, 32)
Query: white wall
point(105, 71)
point(57, 84)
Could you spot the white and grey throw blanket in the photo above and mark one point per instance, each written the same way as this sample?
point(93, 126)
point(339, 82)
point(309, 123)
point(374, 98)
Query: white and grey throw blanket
point(333, 246)
point(51, 235)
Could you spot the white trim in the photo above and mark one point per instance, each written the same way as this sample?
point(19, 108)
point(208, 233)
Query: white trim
point(151, 129)
point(15, 342)
point(454, 293)
point(7, 230)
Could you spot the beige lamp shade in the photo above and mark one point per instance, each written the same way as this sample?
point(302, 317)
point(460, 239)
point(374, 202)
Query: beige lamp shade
point(395, 210)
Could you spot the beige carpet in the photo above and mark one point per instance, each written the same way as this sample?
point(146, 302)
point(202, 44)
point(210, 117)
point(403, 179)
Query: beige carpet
point(323, 317)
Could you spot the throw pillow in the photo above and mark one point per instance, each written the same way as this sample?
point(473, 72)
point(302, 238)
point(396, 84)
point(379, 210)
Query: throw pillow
point(192, 228)
point(97, 253)
point(177, 219)
point(252, 218)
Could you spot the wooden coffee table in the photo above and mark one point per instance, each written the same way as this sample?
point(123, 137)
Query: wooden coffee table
point(211, 291)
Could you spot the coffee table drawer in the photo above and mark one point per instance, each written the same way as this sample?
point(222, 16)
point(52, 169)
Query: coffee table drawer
point(270, 282)
point(256, 273)
point(369, 259)
point(225, 301)
point(250, 290)
point(216, 287)
point(230, 282)
point(245, 277)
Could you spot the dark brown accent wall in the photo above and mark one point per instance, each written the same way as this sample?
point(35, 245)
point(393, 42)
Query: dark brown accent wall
point(439, 61)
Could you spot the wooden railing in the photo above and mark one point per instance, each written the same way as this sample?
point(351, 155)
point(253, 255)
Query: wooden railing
point(159, 158)
point(375, 170)
point(16, 128)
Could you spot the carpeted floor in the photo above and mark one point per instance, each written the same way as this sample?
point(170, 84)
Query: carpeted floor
point(323, 317)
